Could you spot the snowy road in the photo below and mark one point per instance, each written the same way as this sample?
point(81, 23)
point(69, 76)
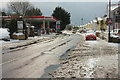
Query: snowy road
point(30, 61)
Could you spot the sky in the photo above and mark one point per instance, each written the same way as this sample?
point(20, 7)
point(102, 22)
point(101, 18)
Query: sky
point(63, 0)
point(86, 9)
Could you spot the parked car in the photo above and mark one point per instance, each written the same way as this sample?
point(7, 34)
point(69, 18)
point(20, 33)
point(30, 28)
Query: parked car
point(115, 35)
point(116, 32)
point(82, 31)
point(90, 35)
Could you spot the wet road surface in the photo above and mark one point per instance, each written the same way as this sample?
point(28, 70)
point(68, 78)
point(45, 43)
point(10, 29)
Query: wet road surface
point(31, 61)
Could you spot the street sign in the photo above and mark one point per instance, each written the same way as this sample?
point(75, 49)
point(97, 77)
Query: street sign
point(58, 22)
point(20, 24)
point(58, 26)
point(109, 21)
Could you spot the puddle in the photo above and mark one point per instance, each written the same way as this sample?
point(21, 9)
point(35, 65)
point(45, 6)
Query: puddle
point(66, 53)
point(50, 69)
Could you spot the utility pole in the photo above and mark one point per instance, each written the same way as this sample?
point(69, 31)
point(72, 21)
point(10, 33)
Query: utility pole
point(109, 17)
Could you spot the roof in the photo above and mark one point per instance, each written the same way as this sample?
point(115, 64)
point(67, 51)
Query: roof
point(114, 7)
point(33, 18)
point(94, 20)
point(99, 18)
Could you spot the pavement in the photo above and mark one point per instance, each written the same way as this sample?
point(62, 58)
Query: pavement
point(90, 59)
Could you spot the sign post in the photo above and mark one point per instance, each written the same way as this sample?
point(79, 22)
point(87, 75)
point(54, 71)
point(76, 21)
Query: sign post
point(109, 20)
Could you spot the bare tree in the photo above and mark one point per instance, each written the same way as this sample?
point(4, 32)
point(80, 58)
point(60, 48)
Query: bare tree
point(20, 7)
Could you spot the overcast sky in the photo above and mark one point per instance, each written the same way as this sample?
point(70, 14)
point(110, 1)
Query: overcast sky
point(88, 10)
point(63, 0)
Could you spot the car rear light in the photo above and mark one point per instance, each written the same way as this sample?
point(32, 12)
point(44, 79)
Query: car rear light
point(118, 33)
point(87, 38)
point(94, 38)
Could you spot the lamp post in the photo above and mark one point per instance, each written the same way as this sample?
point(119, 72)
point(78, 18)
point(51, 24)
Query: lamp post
point(82, 22)
point(109, 17)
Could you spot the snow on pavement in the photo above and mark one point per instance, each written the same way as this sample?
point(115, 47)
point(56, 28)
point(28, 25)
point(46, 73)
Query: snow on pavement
point(91, 59)
point(4, 33)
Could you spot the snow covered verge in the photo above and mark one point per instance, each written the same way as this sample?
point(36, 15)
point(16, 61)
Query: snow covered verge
point(22, 43)
point(90, 59)
point(17, 33)
point(67, 32)
point(4, 34)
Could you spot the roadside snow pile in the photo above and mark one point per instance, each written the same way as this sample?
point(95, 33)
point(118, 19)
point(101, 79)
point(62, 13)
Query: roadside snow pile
point(67, 32)
point(114, 44)
point(14, 41)
point(17, 33)
point(4, 34)
point(98, 31)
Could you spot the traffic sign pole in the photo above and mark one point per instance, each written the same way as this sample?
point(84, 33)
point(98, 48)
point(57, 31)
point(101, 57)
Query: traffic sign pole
point(109, 17)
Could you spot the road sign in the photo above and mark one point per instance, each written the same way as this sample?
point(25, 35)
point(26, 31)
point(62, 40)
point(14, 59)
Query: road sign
point(20, 24)
point(109, 21)
point(58, 26)
point(58, 22)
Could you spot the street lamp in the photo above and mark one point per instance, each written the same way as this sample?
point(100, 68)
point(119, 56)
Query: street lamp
point(82, 22)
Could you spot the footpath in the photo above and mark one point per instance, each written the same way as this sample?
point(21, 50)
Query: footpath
point(90, 59)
